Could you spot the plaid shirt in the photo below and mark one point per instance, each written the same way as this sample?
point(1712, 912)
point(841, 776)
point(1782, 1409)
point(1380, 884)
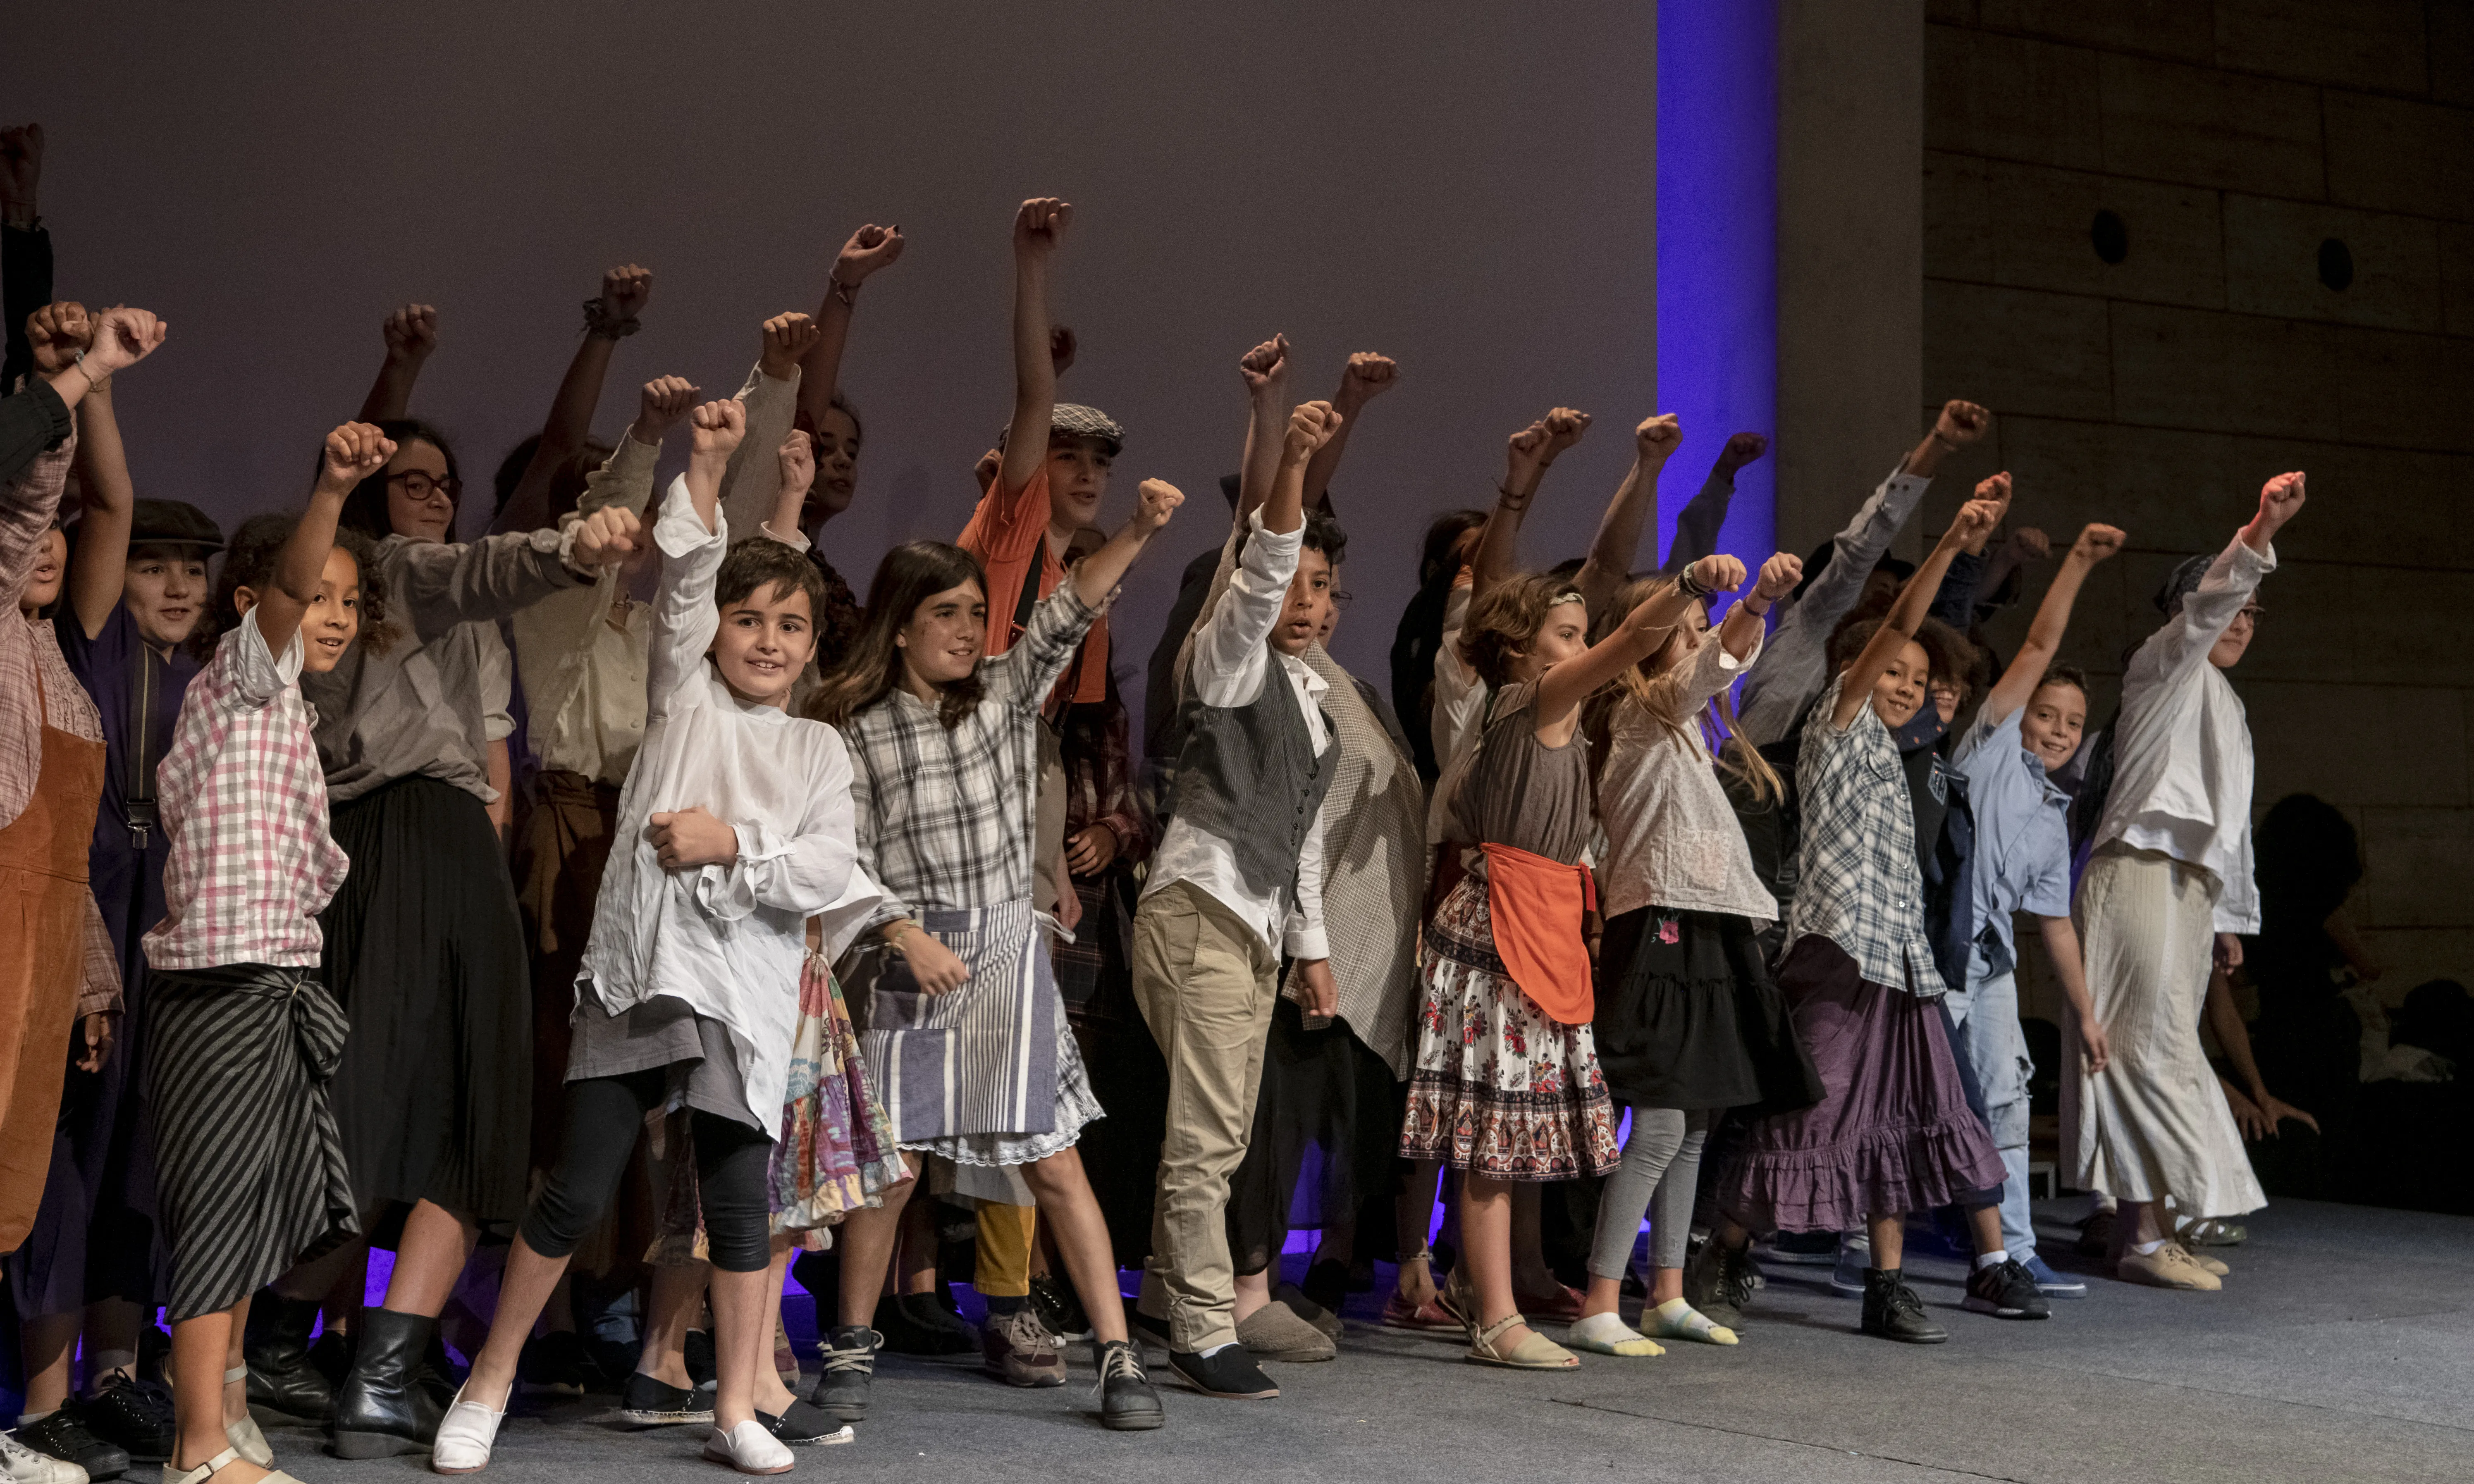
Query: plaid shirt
point(945, 816)
point(1861, 886)
point(37, 689)
point(244, 802)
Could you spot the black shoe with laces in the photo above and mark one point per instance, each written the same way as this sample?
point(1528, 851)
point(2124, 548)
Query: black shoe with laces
point(1059, 1308)
point(804, 1424)
point(1893, 1311)
point(1227, 1371)
point(2006, 1290)
point(1128, 1403)
point(649, 1401)
point(61, 1435)
point(133, 1416)
point(850, 1368)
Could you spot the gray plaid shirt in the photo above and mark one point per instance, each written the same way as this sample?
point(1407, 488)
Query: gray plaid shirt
point(945, 817)
point(1861, 886)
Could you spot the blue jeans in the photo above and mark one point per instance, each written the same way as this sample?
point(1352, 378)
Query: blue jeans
point(1987, 1014)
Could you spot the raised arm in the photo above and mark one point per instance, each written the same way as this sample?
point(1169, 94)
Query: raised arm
point(869, 248)
point(1367, 376)
point(354, 452)
point(25, 247)
point(1960, 424)
point(625, 479)
point(98, 568)
point(607, 319)
point(122, 338)
point(2184, 640)
point(1908, 614)
point(1564, 685)
point(2053, 619)
point(1527, 456)
point(1697, 526)
point(771, 397)
point(796, 459)
point(1266, 371)
point(1609, 565)
point(1741, 633)
point(1954, 601)
point(1038, 226)
point(1098, 574)
point(411, 334)
point(719, 427)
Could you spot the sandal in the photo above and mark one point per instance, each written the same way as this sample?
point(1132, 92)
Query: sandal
point(246, 1437)
point(1535, 1353)
point(216, 1465)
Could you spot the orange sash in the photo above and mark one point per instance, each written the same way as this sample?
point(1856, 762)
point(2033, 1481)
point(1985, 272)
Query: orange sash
point(1536, 907)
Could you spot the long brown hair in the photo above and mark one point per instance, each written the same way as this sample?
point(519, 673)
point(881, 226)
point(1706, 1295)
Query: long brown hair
point(910, 575)
point(1659, 695)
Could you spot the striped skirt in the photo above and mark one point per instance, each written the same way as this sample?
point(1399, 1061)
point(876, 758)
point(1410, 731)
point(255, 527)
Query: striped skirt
point(249, 1168)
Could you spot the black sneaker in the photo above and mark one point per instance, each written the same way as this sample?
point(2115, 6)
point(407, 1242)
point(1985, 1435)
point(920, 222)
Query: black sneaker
point(133, 1416)
point(1128, 1403)
point(1059, 1308)
point(2006, 1290)
point(61, 1435)
point(850, 1368)
point(649, 1401)
point(1893, 1311)
point(804, 1424)
point(555, 1363)
point(1227, 1371)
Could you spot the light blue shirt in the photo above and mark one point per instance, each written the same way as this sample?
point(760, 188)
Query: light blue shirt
point(2023, 838)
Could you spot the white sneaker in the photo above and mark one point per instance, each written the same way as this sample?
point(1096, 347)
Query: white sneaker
point(749, 1448)
point(22, 1465)
point(465, 1435)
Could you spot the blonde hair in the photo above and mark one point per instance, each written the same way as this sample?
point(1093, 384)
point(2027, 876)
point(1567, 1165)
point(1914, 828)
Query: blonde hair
point(1659, 695)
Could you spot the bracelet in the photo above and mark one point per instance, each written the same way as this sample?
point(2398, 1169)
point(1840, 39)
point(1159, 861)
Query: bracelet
point(600, 321)
point(847, 292)
point(1692, 586)
point(896, 931)
point(1515, 503)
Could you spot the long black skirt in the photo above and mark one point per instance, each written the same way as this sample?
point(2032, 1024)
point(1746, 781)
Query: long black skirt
point(250, 1170)
point(1326, 1137)
point(1688, 1016)
point(425, 952)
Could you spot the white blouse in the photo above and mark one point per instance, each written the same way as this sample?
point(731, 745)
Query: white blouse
point(1672, 839)
point(727, 940)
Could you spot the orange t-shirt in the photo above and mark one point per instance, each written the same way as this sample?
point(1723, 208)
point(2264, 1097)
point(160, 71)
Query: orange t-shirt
point(1008, 533)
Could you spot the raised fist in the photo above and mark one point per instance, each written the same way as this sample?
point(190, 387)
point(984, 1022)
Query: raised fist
point(663, 402)
point(798, 457)
point(1565, 427)
point(1659, 437)
point(1996, 487)
point(605, 538)
point(411, 332)
point(22, 165)
point(1961, 423)
point(1522, 452)
point(1976, 518)
point(1780, 573)
point(354, 452)
point(1742, 448)
point(59, 332)
point(1719, 572)
point(1311, 427)
point(1038, 225)
point(2096, 542)
point(624, 291)
point(1154, 501)
point(787, 339)
point(719, 428)
point(1265, 365)
point(2027, 544)
point(1061, 346)
point(2280, 497)
point(870, 248)
point(1368, 375)
point(125, 336)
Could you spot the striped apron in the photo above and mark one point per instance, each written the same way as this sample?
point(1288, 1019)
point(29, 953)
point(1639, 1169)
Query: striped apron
point(981, 1060)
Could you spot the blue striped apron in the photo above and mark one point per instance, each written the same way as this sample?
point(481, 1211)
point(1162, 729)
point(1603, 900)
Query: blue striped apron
point(981, 1060)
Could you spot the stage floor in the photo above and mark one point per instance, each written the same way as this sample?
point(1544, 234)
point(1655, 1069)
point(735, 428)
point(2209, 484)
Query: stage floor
point(2342, 1349)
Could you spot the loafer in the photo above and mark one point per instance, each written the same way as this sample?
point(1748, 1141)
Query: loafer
point(59, 1436)
point(1559, 1304)
point(1227, 1373)
point(748, 1448)
point(1275, 1333)
point(804, 1425)
point(1534, 1352)
point(1128, 1401)
point(465, 1435)
point(2052, 1284)
point(1323, 1317)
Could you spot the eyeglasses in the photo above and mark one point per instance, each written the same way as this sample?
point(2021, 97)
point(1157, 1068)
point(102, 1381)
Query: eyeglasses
point(1340, 600)
point(421, 486)
point(2250, 611)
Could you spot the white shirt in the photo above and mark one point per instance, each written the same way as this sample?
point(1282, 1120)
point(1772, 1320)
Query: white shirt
point(1459, 716)
point(1232, 659)
point(2181, 751)
point(583, 677)
point(1799, 665)
point(1672, 838)
point(727, 940)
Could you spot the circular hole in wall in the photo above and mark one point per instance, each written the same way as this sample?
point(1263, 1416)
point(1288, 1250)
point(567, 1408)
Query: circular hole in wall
point(2110, 236)
point(2336, 264)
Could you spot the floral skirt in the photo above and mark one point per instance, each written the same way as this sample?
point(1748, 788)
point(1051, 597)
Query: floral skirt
point(1498, 1088)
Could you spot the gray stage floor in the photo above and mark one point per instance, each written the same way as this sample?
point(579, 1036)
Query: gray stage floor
point(2342, 1349)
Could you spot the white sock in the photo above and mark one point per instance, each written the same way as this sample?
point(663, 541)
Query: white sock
point(1992, 1260)
point(1217, 1349)
point(30, 1418)
point(2146, 1248)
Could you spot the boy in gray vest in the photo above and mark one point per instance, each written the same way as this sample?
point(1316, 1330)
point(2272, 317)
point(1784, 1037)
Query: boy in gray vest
point(1241, 846)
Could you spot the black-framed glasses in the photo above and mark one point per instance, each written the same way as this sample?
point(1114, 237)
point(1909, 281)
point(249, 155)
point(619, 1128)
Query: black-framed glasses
point(1340, 600)
point(421, 486)
point(2250, 611)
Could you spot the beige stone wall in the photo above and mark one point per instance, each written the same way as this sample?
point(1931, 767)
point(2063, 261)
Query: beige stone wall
point(2234, 138)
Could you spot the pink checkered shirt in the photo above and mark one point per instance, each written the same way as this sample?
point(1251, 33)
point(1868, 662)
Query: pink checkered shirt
point(244, 802)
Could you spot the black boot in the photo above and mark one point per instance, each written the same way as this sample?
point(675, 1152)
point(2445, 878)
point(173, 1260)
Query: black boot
point(382, 1409)
point(283, 1386)
point(1893, 1311)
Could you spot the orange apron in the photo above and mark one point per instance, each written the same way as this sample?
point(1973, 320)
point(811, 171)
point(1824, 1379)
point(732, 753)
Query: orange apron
point(1536, 906)
point(42, 964)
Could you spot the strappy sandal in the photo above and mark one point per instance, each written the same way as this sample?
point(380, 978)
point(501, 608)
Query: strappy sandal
point(216, 1465)
point(1535, 1353)
point(246, 1438)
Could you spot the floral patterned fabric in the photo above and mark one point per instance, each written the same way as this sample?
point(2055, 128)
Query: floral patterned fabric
point(1498, 1088)
point(834, 1154)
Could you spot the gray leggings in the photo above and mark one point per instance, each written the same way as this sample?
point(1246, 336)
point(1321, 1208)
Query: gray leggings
point(1662, 1156)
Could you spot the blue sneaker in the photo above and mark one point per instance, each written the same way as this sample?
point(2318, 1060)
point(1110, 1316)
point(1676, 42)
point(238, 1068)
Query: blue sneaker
point(1855, 1256)
point(2052, 1284)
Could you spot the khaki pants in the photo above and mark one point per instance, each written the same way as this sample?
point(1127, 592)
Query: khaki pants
point(1206, 984)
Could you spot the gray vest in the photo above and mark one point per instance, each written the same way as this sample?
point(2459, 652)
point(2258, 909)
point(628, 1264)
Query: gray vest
point(1249, 775)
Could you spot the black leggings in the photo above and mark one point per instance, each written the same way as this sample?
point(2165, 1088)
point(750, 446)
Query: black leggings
point(602, 1119)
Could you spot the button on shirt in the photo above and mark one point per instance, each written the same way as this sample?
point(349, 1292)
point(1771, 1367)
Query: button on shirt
point(1798, 665)
point(1233, 658)
point(2182, 758)
point(2022, 837)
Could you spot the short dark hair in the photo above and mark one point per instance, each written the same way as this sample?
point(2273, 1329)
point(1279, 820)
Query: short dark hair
point(753, 566)
point(1323, 534)
point(1443, 534)
point(2064, 674)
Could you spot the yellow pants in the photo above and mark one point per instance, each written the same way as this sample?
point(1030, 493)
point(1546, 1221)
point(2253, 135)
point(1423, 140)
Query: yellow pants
point(1004, 1250)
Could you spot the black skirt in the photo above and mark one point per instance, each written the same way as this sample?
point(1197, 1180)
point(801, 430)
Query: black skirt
point(425, 952)
point(1688, 1016)
point(1326, 1137)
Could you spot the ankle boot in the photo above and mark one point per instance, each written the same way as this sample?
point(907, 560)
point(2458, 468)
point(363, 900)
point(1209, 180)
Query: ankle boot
point(283, 1386)
point(382, 1409)
point(1893, 1311)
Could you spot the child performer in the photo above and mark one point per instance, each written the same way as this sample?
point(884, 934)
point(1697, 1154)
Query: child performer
point(1506, 1087)
point(244, 1038)
point(2027, 728)
point(1688, 1022)
point(2172, 866)
point(689, 988)
point(1893, 1132)
point(966, 1036)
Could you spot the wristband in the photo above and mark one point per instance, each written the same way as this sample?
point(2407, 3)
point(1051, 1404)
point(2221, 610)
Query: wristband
point(600, 321)
point(1692, 586)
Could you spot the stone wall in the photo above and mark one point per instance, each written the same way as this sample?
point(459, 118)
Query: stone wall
point(2294, 181)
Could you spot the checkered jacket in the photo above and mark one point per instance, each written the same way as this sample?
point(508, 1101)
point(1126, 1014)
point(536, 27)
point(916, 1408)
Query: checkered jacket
point(1859, 883)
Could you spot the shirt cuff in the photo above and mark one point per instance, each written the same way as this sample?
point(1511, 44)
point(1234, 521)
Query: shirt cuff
point(1305, 943)
point(797, 541)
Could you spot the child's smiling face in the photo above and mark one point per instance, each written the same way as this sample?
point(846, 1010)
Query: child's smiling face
point(764, 642)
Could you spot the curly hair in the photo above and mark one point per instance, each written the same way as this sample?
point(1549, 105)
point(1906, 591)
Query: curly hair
point(1503, 623)
point(1948, 655)
point(249, 562)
